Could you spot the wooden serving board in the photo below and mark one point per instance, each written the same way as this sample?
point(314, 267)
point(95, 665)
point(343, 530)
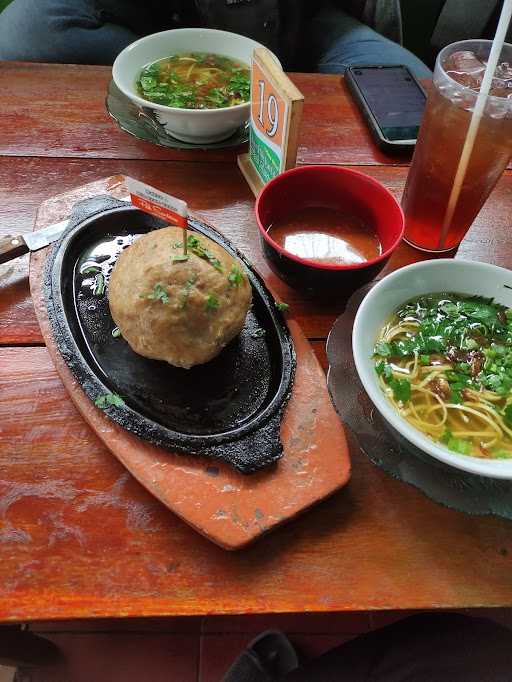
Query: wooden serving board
point(229, 508)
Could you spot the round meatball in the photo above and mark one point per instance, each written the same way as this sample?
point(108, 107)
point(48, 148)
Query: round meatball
point(183, 310)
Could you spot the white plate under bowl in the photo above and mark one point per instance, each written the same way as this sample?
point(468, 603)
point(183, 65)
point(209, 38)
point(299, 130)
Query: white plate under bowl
point(199, 126)
point(432, 276)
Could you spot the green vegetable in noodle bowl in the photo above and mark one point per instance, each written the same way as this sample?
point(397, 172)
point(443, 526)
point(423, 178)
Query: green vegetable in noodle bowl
point(445, 363)
point(195, 80)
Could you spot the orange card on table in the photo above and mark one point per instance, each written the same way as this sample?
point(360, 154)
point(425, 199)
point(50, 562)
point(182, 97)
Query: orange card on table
point(276, 108)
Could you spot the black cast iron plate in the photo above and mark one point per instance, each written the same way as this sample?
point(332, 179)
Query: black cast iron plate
point(230, 408)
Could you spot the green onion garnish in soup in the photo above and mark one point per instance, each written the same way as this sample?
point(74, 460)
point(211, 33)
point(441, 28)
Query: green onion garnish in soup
point(195, 80)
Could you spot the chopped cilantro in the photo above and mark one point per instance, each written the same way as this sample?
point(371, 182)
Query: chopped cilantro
point(159, 294)
point(379, 367)
point(283, 307)
point(403, 348)
point(478, 310)
point(192, 241)
point(197, 248)
point(258, 333)
point(457, 379)
point(384, 369)
point(90, 270)
point(99, 285)
point(148, 82)
point(213, 260)
point(217, 97)
point(186, 290)
point(446, 436)
point(455, 397)
point(507, 413)
point(109, 399)
point(401, 389)
point(424, 359)
point(180, 259)
point(463, 447)
point(235, 277)
point(449, 308)
point(212, 302)
point(383, 349)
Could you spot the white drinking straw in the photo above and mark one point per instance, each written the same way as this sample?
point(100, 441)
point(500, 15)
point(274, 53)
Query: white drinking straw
point(497, 46)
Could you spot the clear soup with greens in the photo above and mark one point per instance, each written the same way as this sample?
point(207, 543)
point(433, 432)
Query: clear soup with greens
point(195, 80)
point(445, 363)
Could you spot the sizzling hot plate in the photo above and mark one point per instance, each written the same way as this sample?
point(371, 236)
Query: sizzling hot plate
point(229, 408)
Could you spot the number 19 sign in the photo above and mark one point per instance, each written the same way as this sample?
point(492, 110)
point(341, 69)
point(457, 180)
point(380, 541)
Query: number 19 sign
point(276, 108)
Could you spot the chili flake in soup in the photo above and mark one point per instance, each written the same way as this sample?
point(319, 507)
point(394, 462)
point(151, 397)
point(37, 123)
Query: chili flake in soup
point(195, 80)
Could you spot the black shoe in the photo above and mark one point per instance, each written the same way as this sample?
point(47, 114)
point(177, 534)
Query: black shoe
point(270, 656)
point(24, 648)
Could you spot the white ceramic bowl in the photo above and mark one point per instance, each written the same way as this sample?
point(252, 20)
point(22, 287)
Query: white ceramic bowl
point(201, 126)
point(458, 276)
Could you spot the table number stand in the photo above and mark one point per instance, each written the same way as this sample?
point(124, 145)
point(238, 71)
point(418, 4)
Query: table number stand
point(276, 110)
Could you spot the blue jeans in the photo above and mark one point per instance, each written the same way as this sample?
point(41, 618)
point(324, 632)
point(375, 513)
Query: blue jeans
point(77, 31)
point(338, 40)
point(62, 31)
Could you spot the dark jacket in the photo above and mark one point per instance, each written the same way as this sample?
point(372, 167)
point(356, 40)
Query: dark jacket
point(465, 19)
point(281, 24)
point(277, 24)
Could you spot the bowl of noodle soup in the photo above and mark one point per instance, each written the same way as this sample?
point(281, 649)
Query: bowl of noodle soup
point(432, 345)
point(149, 66)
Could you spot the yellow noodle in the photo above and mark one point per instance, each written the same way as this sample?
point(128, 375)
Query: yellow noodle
point(434, 374)
point(209, 70)
point(428, 368)
point(497, 416)
point(476, 413)
point(480, 434)
point(397, 330)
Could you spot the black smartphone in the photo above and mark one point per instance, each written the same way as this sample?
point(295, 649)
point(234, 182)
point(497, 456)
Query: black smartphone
point(392, 102)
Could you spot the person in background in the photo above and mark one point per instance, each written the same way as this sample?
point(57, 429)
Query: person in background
point(324, 36)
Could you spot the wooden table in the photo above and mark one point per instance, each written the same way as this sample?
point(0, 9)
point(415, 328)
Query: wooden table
point(79, 537)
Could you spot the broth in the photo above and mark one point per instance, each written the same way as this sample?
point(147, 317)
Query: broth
point(326, 235)
point(195, 80)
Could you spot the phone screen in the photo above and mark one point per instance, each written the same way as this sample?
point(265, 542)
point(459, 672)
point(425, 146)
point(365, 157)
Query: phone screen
point(394, 98)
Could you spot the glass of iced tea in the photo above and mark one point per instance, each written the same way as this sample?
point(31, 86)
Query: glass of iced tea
point(458, 75)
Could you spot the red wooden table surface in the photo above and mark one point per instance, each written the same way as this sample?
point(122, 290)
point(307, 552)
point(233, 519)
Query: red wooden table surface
point(78, 536)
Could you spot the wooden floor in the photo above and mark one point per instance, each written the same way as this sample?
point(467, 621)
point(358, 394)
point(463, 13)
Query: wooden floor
point(189, 650)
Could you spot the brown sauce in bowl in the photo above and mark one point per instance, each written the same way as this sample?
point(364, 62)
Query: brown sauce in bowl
point(326, 235)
